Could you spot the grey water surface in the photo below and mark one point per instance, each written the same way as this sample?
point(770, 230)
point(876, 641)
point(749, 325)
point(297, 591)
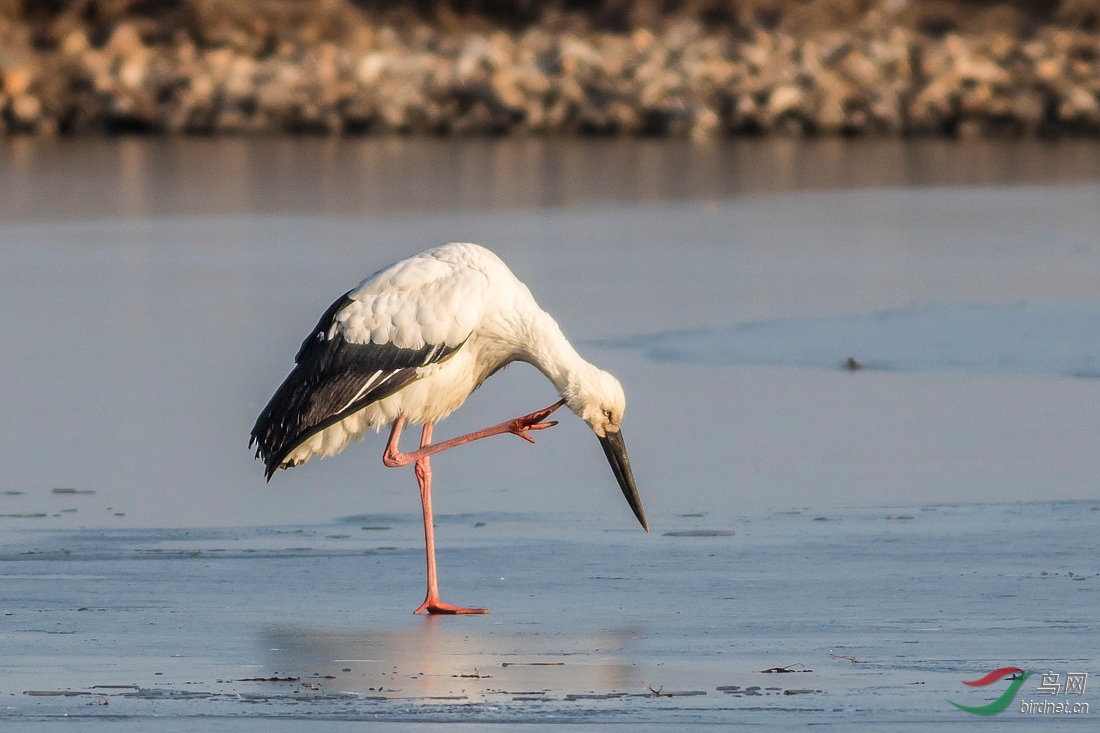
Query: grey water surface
point(153, 294)
point(864, 619)
point(1057, 339)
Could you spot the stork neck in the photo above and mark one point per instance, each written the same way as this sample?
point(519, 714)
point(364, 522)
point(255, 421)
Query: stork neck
point(555, 357)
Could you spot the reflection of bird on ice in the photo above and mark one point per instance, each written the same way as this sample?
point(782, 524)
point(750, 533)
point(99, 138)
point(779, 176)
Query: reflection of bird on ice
point(409, 345)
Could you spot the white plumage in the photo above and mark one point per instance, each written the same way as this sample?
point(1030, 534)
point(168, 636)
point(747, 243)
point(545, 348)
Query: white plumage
point(410, 344)
point(455, 295)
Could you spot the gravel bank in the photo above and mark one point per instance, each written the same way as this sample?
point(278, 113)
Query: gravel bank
point(338, 67)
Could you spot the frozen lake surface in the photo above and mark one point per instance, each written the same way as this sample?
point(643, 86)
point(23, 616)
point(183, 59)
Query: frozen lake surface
point(878, 613)
point(153, 294)
point(1057, 339)
point(143, 349)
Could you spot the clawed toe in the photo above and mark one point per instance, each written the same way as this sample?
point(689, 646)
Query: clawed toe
point(435, 606)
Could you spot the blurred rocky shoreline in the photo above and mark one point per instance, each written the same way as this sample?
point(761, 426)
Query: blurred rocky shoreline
point(700, 69)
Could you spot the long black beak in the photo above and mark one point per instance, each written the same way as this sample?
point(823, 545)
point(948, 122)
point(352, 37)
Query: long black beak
point(615, 450)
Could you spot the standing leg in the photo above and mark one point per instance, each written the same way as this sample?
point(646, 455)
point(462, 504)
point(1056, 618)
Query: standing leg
point(431, 603)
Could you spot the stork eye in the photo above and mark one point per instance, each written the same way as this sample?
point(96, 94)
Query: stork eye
point(607, 414)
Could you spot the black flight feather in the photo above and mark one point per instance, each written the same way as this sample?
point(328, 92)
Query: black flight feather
point(327, 385)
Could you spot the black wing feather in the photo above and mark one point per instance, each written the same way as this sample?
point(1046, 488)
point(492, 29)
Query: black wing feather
point(325, 386)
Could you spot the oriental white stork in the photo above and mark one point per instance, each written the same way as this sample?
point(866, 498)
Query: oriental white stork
point(409, 345)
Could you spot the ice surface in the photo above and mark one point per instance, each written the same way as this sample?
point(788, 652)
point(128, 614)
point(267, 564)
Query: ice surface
point(1055, 339)
point(879, 613)
point(902, 515)
point(143, 349)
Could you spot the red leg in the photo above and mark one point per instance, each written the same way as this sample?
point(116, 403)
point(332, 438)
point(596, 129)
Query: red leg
point(431, 603)
point(394, 458)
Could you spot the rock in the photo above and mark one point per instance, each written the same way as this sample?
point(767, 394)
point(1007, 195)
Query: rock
point(75, 43)
point(26, 110)
point(705, 124)
point(16, 80)
point(783, 99)
point(124, 41)
point(1079, 104)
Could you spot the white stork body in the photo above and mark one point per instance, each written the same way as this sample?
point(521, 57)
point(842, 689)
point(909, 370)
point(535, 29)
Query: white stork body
point(455, 295)
point(409, 345)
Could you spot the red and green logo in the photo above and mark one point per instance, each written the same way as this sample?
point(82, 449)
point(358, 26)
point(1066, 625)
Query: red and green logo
point(1016, 677)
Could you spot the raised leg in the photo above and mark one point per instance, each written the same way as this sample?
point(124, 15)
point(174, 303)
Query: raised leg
point(394, 458)
point(431, 603)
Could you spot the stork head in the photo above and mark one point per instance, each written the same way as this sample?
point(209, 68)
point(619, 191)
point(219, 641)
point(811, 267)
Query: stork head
point(598, 399)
